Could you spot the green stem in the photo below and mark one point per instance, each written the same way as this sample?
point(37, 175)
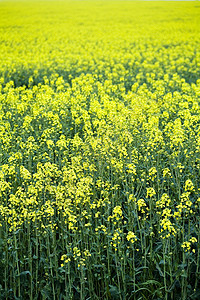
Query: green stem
point(18, 268)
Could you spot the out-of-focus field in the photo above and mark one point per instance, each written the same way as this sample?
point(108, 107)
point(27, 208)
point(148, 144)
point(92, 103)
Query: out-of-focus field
point(99, 150)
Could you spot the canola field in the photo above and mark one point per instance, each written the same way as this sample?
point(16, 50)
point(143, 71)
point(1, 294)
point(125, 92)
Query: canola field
point(99, 150)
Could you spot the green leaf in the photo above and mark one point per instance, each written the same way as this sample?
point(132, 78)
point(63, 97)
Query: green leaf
point(149, 282)
point(159, 270)
point(114, 291)
point(24, 273)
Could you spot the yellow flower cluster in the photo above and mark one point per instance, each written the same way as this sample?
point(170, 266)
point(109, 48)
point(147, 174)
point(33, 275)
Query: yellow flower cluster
point(116, 239)
point(152, 173)
point(131, 237)
point(187, 245)
point(117, 215)
point(142, 208)
point(64, 260)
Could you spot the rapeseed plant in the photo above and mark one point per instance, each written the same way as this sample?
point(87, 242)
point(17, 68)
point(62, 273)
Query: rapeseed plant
point(99, 151)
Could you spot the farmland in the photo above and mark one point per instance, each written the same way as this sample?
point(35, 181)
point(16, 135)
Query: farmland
point(99, 150)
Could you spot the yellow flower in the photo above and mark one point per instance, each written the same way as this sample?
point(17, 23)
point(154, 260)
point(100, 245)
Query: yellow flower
point(131, 237)
point(189, 187)
point(150, 192)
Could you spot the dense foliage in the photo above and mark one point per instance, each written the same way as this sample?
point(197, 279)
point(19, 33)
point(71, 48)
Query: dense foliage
point(100, 150)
